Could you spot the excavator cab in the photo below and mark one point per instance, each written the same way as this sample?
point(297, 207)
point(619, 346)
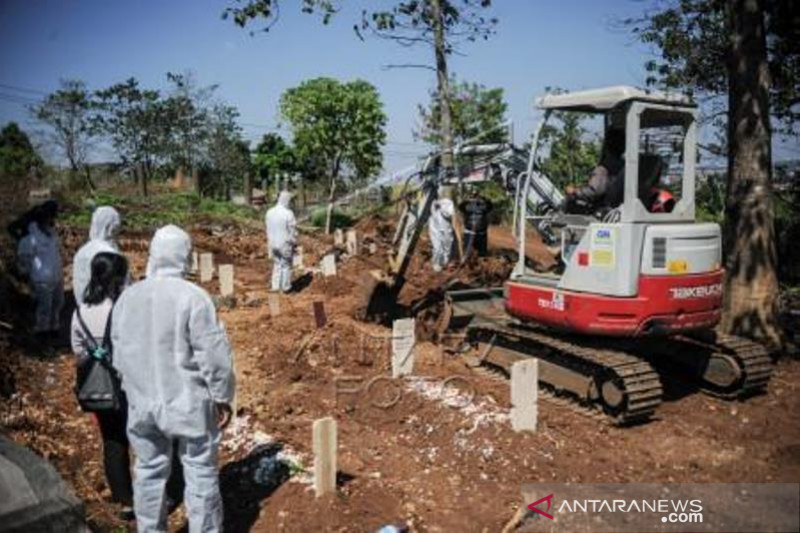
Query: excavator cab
point(624, 264)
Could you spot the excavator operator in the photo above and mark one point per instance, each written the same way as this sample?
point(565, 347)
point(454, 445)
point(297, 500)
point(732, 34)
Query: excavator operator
point(605, 187)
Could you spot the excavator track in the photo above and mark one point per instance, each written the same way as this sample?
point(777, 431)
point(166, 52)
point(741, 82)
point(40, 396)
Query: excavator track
point(489, 371)
point(721, 365)
point(754, 361)
point(621, 387)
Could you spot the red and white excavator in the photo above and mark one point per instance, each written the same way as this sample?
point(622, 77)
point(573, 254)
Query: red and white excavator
point(639, 290)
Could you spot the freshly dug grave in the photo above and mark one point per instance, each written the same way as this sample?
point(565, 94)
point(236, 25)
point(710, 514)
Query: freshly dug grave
point(437, 459)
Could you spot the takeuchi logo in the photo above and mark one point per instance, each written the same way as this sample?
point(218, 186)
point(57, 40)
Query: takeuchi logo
point(549, 500)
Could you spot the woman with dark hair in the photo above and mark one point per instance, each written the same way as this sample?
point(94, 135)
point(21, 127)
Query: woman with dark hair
point(109, 277)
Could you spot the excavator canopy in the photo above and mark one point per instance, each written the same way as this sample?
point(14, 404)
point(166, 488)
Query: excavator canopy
point(598, 100)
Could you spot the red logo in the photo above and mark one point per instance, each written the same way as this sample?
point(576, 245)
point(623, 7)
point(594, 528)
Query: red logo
point(533, 507)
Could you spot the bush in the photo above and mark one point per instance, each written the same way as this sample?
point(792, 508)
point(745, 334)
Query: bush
point(338, 219)
point(158, 210)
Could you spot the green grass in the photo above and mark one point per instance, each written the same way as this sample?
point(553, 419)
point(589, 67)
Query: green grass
point(154, 211)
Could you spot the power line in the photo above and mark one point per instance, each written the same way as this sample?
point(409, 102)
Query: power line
point(22, 89)
point(16, 100)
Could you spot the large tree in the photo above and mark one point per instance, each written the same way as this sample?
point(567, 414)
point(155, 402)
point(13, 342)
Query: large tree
point(476, 112)
point(749, 52)
point(441, 25)
point(68, 114)
point(136, 122)
point(189, 110)
point(228, 154)
point(340, 125)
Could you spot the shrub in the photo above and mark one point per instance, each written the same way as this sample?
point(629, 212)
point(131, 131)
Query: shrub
point(338, 219)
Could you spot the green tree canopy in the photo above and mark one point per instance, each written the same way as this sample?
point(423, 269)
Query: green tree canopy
point(693, 52)
point(340, 125)
point(18, 158)
point(136, 123)
point(475, 111)
point(228, 155)
point(273, 156)
point(189, 111)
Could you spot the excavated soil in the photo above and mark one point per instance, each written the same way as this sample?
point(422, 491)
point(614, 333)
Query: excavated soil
point(435, 452)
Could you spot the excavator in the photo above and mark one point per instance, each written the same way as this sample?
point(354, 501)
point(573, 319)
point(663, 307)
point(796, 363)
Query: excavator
point(639, 287)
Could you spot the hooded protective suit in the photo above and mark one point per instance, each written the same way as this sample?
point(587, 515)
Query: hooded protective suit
point(39, 257)
point(440, 230)
point(175, 362)
point(281, 239)
point(105, 223)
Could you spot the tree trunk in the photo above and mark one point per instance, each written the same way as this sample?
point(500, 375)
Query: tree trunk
point(443, 87)
point(334, 176)
point(198, 187)
point(330, 207)
point(751, 283)
point(248, 187)
point(141, 170)
point(88, 178)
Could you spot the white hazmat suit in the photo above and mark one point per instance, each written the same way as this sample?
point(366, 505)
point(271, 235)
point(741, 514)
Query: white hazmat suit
point(281, 239)
point(39, 257)
point(440, 230)
point(176, 364)
point(105, 223)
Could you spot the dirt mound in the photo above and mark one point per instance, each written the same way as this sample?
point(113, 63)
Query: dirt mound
point(433, 451)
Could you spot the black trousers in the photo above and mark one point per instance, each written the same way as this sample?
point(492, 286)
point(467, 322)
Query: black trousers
point(117, 463)
point(476, 241)
point(116, 454)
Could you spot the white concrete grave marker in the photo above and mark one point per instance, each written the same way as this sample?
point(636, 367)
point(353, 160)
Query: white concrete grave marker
point(324, 444)
point(403, 340)
point(524, 395)
point(274, 304)
point(195, 263)
point(226, 280)
point(329, 265)
point(352, 242)
point(297, 260)
point(206, 267)
point(338, 237)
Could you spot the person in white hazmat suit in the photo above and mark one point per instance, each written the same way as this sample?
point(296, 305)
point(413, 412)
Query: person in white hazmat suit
point(39, 260)
point(281, 240)
point(102, 233)
point(440, 231)
point(177, 373)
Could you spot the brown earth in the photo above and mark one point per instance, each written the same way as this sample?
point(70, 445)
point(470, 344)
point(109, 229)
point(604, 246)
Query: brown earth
point(435, 460)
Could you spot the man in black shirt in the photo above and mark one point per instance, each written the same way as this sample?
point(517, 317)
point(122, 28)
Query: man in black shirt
point(475, 210)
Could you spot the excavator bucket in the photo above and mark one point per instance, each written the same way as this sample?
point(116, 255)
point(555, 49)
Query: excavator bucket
point(378, 296)
point(466, 307)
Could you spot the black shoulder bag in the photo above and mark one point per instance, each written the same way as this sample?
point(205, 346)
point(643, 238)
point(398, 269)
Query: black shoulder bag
point(97, 385)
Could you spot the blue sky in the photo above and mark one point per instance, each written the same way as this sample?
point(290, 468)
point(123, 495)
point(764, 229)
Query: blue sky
point(539, 43)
